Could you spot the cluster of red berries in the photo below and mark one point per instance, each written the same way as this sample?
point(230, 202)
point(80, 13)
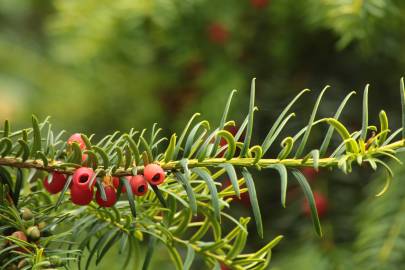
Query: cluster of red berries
point(83, 182)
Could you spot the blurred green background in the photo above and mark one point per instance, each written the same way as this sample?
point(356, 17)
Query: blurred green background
point(100, 66)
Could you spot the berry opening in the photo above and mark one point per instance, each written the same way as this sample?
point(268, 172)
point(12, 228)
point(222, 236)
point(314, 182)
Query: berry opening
point(83, 179)
point(141, 189)
point(156, 177)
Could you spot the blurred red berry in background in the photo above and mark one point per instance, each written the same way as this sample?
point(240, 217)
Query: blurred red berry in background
point(244, 197)
point(224, 267)
point(259, 3)
point(321, 203)
point(233, 130)
point(218, 33)
point(309, 173)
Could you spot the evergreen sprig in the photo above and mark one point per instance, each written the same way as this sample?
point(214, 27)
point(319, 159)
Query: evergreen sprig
point(185, 212)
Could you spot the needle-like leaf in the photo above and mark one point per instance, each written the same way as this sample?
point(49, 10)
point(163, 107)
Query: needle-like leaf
point(249, 130)
point(309, 126)
point(253, 201)
point(310, 197)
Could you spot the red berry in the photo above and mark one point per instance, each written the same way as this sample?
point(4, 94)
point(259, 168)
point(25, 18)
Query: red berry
point(78, 139)
point(116, 183)
point(259, 3)
point(244, 197)
point(310, 173)
point(154, 174)
point(84, 157)
point(82, 177)
point(233, 130)
point(110, 194)
point(20, 236)
point(193, 70)
point(57, 183)
point(217, 33)
point(139, 186)
point(81, 196)
point(321, 203)
point(224, 267)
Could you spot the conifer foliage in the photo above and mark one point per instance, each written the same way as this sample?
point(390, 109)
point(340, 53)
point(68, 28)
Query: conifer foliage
point(60, 197)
